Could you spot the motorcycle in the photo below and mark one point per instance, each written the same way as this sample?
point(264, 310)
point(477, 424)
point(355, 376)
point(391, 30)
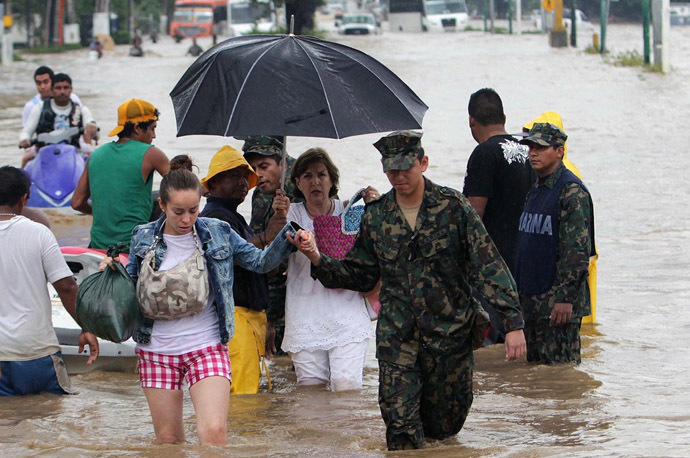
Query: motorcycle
point(55, 170)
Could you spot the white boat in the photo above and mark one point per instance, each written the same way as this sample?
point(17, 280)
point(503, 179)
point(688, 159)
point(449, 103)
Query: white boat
point(118, 357)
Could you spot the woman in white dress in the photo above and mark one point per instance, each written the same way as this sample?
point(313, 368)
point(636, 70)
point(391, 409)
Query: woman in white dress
point(326, 330)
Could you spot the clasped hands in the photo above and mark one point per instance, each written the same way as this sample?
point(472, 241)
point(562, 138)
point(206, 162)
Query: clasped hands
point(306, 243)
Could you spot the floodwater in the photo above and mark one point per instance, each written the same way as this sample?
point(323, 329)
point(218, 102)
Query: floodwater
point(627, 128)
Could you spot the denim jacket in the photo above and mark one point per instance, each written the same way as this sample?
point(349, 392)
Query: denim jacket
point(222, 247)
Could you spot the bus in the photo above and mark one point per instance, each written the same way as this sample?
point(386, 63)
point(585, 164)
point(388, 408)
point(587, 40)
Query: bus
point(251, 15)
point(446, 15)
point(198, 18)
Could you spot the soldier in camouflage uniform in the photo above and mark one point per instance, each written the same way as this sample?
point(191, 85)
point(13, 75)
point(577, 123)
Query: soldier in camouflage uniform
point(432, 253)
point(264, 154)
point(555, 242)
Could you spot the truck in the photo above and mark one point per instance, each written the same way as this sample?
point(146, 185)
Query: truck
point(446, 15)
point(198, 18)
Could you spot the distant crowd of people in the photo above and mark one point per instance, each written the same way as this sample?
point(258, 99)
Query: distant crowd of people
point(516, 243)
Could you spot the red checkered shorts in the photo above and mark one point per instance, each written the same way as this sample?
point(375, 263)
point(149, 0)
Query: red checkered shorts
point(167, 371)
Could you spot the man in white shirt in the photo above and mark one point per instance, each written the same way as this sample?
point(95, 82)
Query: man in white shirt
point(43, 78)
point(59, 113)
point(30, 358)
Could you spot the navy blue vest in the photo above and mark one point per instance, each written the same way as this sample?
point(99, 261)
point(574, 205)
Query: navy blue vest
point(538, 236)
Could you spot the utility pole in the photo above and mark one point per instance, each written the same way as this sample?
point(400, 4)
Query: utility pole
point(661, 17)
point(7, 51)
point(604, 20)
point(130, 4)
point(60, 22)
point(645, 31)
point(518, 16)
point(573, 24)
point(558, 37)
point(29, 22)
point(491, 15)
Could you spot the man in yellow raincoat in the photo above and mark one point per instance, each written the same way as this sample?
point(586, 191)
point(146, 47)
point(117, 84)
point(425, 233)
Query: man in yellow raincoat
point(229, 179)
point(554, 118)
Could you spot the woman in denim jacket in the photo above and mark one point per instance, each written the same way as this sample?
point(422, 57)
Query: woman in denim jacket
point(194, 346)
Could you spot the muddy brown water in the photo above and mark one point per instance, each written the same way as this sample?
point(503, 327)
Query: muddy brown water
point(627, 128)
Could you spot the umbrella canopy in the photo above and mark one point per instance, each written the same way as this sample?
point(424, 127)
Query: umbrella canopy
point(291, 85)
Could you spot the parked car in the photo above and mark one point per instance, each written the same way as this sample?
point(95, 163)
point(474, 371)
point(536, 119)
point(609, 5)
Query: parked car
point(358, 24)
point(582, 23)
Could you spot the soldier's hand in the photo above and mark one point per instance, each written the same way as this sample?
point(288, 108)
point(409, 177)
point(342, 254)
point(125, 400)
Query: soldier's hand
point(281, 203)
point(370, 194)
point(561, 313)
point(515, 345)
point(275, 225)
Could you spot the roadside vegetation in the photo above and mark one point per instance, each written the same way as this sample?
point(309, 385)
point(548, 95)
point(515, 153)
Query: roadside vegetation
point(51, 49)
point(625, 59)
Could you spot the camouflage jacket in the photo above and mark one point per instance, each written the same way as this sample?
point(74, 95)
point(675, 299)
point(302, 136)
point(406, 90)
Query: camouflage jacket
point(428, 274)
point(575, 214)
point(262, 211)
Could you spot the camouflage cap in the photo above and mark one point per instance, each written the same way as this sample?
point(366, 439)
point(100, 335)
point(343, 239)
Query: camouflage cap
point(399, 149)
point(265, 145)
point(545, 134)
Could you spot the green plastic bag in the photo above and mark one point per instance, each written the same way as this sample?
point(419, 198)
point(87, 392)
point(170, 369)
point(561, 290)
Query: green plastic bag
point(107, 304)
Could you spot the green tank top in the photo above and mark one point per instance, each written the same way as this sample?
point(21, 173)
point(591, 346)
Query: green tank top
point(119, 197)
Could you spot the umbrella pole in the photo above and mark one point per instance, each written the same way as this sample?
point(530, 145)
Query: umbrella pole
point(283, 164)
point(292, 25)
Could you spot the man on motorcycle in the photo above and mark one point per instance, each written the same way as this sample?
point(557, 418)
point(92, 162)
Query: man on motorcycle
point(59, 113)
point(43, 78)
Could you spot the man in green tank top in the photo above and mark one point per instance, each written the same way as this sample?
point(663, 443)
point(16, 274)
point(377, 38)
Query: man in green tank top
point(119, 176)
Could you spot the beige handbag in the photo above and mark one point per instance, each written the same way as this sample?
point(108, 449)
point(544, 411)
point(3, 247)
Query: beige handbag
point(174, 293)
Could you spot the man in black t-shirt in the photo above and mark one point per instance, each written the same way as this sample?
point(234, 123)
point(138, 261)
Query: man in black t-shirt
point(497, 180)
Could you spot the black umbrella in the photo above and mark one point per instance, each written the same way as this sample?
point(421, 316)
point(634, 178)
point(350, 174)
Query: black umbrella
point(291, 85)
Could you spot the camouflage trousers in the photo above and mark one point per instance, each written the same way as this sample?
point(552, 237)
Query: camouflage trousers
point(431, 399)
point(548, 344)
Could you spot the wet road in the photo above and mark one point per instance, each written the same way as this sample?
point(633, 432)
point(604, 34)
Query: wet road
point(627, 133)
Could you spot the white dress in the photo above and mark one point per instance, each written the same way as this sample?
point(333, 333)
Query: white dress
point(316, 317)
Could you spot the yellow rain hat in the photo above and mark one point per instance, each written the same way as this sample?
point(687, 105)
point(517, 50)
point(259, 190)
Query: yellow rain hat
point(134, 111)
point(228, 158)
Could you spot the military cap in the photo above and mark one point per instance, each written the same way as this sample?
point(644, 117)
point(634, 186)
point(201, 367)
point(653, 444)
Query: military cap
point(399, 149)
point(265, 145)
point(545, 134)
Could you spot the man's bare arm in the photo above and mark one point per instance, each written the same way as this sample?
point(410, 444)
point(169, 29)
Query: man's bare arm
point(80, 199)
point(154, 159)
point(479, 204)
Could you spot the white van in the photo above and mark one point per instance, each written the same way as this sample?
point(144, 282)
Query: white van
point(446, 15)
